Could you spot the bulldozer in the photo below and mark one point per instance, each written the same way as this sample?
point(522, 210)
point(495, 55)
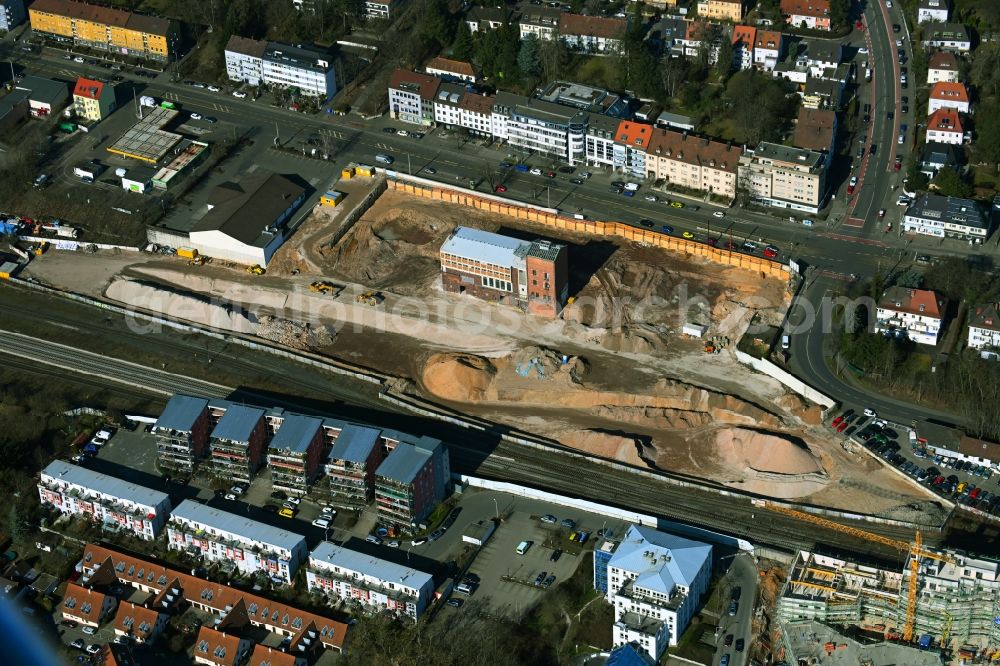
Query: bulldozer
point(197, 261)
point(370, 298)
point(322, 288)
point(256, 269)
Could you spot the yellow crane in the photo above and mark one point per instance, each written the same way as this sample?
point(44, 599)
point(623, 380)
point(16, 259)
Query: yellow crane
point(915, 551)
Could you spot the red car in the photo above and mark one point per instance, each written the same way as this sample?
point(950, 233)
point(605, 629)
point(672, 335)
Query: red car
point(501, 188)
point(770, 252)
point(729, 246)
point(899, 163)
point(837, 421)
point(843, 426)
point(550, 174)
point(851, 185)
point(859, 25)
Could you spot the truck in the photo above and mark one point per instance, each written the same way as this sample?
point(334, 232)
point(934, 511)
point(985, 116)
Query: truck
point(61, 230)
point(67, 127)
point(146, 100)
point(187, 252)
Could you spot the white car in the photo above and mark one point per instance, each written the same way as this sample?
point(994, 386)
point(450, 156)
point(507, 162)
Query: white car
point(230, 496)
point(93, 648)
point(402, 133)
point(239, 94)
point(237, 489)
point(650, 197)
point(321, 522)
point(393, 544)
point(585, 175)
point(863, 50)
point(214, 89)
point(718, 213)
point(899, 42)
point(78, 59)
point(196, 116)
point(888, 3)
point(294, 501)
point(329, 512)
point(536, 172)
point(87, 629)
point(870, 413)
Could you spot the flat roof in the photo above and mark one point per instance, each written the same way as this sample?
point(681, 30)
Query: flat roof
point(104, 484)
point(238, 525)
point(354, 443)
point(181, 411)
point(801, 156)
point(296, 433)
point(484, 246)
point(353, 560)
point(147, 140)
point(301, 57)
point(237, 424)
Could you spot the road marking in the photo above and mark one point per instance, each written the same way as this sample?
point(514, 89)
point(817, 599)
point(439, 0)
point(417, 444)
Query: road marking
point(853, 239)
point(854, 222)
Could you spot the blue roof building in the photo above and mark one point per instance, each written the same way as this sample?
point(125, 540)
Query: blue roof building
point(181, 413)
point(294, 452)
point(656, 582)
point(413, 479)
point(238, 443)
point(182, 433)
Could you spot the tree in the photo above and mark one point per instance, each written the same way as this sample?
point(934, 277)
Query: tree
point(529, 57)
point(463, 46)
point(555, 57)
point(673, 72)
point(760, 106)
point(950, 183)
point(436, 22)
point(839, 13)
point(724, 59)
point(987, 146)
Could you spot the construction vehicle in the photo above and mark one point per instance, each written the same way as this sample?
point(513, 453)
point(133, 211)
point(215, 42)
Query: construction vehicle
point(915, 551)
point(370, 298)
point(256, 269)
point(323, 288)
point(196, 261)
point(187, 252)
point(39, 249)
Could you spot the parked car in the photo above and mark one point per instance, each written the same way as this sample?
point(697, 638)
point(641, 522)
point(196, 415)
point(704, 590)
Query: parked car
point(90, 631)
point(321, 522)
point(455, 603)
point(556, 554)
point(214, 89)
point(501, 188)
point(374, 538)
point(568, 523)
point(536, 172)
point(548, 518)
point(239, 94)
point(548, 580)
point(79, 644)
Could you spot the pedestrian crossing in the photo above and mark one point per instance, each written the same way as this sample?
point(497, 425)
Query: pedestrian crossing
point(331, 133)
point(385, 146)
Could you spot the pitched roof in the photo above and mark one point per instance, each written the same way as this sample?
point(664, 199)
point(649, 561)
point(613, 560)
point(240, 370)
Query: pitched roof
point(82, 603)
point(296, 433)
point(424, 84)
point(448, 65)
point(979, 448)
point(591, 26)
point(259, 610)
point(181, 413)
point(217, 647)
point(354, 443)
point(814, 129)
point(943, 60)
point(746, 34)
point(912, 301)
point(477, 103)
point(104, 15)
point(246, 210)
point(954, 92)
point(404, 463)
point(700, 151)
point(945, 120)
point(137, 621)
point(661, 560)
point(246, 46)
point(634, 134)
point(817, 8)
point(88, 88)
point(238, 423)
point(986, 316)
point(768, 39)
point(268, 656)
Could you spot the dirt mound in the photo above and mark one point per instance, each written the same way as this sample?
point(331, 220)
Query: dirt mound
point(182, 305)
point(458, 377)
point(293, 334)
point(623, 448)
point(762, 452)
point(796, 406)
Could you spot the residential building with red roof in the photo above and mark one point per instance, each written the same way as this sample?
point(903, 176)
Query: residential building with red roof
point(816, 129)
point(914, 313)
point(268, 656)
point(812, 14)
point(984, 327)
point(721, 10)
point(768, 49)
point(693, 163)
point(86, 606)
point(948, 95)
point(942, 66)
point(631, 143)
point(456, 70)
point(411, 97)
point(139, 623)
point(945, 126)
point(93, 100)
point(592, 34)
point(218, 648)
point(744, 40)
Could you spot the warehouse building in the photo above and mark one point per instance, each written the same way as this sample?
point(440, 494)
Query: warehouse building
point(105, 28)
point(45, 96)
point(495, 267)
point(244, 545)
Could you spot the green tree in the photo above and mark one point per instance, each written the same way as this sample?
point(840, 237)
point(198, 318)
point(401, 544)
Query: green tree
point(950, 183)
point(529, 57)
point(760, 105)
point(555, 57)
point(987, 146)
point(463, 47)
point(839, 11)
point(436, 23)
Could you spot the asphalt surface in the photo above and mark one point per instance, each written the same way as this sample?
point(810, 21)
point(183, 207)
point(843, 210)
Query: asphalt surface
point(742, 574)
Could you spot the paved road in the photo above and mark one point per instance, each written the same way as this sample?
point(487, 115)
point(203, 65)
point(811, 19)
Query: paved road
point(742, 574)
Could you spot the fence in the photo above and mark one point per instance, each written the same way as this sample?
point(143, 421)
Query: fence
point(355, 213)
point(551, 218)
point(787, 379)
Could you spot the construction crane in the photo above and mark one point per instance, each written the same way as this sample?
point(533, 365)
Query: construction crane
point(915, 551)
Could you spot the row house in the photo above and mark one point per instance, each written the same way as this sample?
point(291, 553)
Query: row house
point(942, 67)
point(245, 545)
point(913, 313)
point(984, 327)
point(697, 35)
point(113, 503)
point(338, 574)
point(945, 126)
point(821, 56)
point(784, 177)
point(475, 113)
point(105, 28)
point(141, 625)
point(350, 467)
point(182, 433)
point(768, 50)
point(947, 37)
point(947, 217)
point(721, 10)
point(540, 21)
point(213, 647)
point(948, 95)
point(932, 11)
point(630, 148)
point(412, 480)
point(237, 442)
point(232, 607)
point(411, 97)
point(451, 70)
point(446, 108)
point(600, 141)
point(811, 14)
point(694, 163)
point(85, 606)
point(294, 453)
point(744, 39)
point(592, 34)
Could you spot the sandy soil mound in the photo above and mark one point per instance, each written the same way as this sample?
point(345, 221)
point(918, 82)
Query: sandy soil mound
point(764, 452)
point(190, 307)
point(607, 445)
point(458, 377)
point(798, 407)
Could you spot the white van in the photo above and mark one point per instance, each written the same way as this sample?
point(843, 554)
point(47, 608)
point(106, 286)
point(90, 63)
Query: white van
point(786, 342)
point(463, 588)
point(631, 187)
point(523, 547)
point(384, 159)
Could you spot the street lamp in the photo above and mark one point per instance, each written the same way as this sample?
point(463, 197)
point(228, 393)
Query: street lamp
point(497, 507)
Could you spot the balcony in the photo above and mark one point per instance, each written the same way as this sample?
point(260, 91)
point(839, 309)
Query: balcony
point(674, 603)
point(254, 547)
point(361, 584)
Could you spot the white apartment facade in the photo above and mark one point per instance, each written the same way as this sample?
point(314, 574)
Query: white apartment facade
point(932, 10)
point(250, 546)
point(917, 313)
point(984, 327)
point(308, 70)
point(946, 217)
point(375, 584)
point(767, 49)
point(116, 504)
point(784, 177)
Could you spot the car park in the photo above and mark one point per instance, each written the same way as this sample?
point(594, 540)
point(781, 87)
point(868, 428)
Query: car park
point(566, 169)
point(749, 246)
point(551, 578)
point(389, 130)
point(196, 116)
point(418, 542)
point(568, 523)
point(393, 544)
point(540, 578)
point(435, 535)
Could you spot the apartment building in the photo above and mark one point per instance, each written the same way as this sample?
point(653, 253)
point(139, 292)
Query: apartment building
point(294, 453)
point(237, 442)
point(115, 504)
point(306, 69)
point(411, 481)
point(693, 163)
point(182, 433)
point(945, 126)
point(744, 40)
point(784, 177)
point(536, 126)
point(447, 111)
point(140, 624)
point(592, 34)
point(942, 67)
point(984, 327)
point(947, 37)
point(350, 468)
point(947, 217)
point(455, 70)
point(105, 28)
point(629, 150)
point(495, 267)
point(12, 14)
point(656, 582)
point(913, 313)
point(944, 95)
point(488, 18)
point(244, 545)
point(93, 100)
point(475, 113)
point(721, 10)
point(539, 20)
point(232, 607)
point(811, 14)
point(86, 606)
point(339, 574)
point(816, 129)
point(932, 11)
point(769, 49)
point(411, 97)
point(599, 149)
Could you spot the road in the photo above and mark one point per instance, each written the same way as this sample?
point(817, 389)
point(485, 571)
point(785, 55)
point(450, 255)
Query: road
point(740, 583)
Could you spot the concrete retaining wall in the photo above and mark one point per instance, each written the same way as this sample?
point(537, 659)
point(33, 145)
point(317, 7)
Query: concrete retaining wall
point(787, 379)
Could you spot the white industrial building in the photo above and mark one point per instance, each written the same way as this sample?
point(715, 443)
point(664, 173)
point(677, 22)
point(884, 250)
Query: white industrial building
point(246, 545)
point(116, 504)
point(342, 574)
point(246, 221)
point(308, 70)
point(915, 313)
point(655, 581)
